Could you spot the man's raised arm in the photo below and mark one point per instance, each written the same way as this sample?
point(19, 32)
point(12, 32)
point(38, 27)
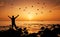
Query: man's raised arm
point(16, 16)
point(9, 17)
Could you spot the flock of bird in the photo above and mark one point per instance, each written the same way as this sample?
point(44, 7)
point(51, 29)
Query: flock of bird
point(32, 6)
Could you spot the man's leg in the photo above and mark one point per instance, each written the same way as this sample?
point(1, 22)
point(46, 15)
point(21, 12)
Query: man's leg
point(15, 26)
point(12, 26)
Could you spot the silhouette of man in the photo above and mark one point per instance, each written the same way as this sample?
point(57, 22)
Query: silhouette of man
point(13, 21)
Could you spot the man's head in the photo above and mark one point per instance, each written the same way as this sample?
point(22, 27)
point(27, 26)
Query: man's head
point(12, 16)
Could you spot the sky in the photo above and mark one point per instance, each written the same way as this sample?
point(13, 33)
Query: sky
point(34, 10)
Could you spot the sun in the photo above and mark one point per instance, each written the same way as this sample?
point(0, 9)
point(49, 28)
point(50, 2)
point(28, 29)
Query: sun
point(30, 16)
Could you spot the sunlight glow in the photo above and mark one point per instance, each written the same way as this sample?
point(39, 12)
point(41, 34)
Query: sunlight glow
point(30, 16)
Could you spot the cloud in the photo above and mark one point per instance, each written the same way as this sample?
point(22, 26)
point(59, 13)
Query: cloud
point(2, 4)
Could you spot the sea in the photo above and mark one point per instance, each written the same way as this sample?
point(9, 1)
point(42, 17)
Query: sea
point(32, 26)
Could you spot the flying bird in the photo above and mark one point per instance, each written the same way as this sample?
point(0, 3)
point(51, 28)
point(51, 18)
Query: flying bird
point(32, 6)
point(50, 11)
point(37, 9)
point(25, 7)
point(41, 12)
point(19, 8)
point(38, 3)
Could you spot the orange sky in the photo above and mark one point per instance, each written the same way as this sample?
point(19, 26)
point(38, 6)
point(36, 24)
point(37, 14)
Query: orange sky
point(30, 9)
